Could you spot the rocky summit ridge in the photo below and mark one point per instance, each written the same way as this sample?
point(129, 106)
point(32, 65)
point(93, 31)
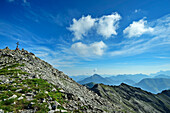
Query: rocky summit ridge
point(135, 99)
point(32, 85)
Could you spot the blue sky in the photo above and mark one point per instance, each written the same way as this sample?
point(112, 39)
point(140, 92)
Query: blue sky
point(83, 37)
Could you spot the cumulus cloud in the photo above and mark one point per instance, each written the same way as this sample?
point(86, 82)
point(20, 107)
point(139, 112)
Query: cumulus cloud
point(81, 27)
point(105, 26)
point(159, 40)
point(108, 25)
point(136, 29)
point(96, 48)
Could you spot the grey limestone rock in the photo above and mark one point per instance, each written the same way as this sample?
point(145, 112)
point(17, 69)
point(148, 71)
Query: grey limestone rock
point(79, 97)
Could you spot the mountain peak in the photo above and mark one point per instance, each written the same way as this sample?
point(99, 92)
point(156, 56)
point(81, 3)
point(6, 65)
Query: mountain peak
point(96, 75)
point(35, 86)
point(95, 78)
point(123, 84)
point(26, 69)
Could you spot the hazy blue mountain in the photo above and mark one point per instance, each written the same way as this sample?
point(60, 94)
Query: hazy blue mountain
point(114, 80)
point(129, 82)
point(154, 85)
point(122, 78)
point(161, 72)
point(95, 78)
point(162, 76)
point(119, 81)
point(79, 77)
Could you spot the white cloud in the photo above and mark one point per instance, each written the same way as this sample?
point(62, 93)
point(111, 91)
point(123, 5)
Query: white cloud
point(136, 29)
point(158, 41)
point(135, 47)
point(162, 27)
point(81, 27)
point(108, 25)
point(96, 48)
point(105, 26)
point(57, 59)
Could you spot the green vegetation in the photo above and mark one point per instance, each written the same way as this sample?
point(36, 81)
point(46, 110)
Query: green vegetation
point(11, 70)
point(33, 85)
point(18, 87)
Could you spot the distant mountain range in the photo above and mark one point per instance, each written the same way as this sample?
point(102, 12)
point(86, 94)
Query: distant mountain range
point(127, 78)
point(160, 73)
point(114, 80)
point(79, 77)
point(154, 85)
point(162, 76)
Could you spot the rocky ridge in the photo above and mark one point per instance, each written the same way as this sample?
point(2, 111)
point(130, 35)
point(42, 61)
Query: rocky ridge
point(135, 99)
point(20, 66)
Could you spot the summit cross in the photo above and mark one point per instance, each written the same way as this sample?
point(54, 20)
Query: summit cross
point(17, 44)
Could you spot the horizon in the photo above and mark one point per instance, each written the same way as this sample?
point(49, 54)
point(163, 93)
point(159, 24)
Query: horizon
point(108, 75)
point(86, 37)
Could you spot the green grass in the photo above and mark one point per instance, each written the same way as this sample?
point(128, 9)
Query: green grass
point(28, 86)
point(57, 96)
point(5, 95)
point(11, 70)
point(39, 85)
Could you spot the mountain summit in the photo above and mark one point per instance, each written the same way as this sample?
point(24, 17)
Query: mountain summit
point(95, 78)
point(96, 75)
point(33, 84)
point(29, 84)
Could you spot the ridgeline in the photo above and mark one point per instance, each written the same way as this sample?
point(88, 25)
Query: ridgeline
point(29, 84)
